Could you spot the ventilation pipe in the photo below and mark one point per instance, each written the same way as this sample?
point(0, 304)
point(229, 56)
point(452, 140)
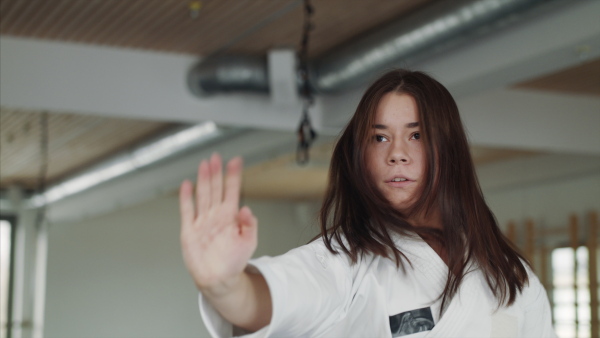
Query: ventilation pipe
point(423, 33)
point(229, 73)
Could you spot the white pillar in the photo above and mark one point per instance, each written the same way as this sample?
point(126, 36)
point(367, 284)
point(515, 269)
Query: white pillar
point(29, 269)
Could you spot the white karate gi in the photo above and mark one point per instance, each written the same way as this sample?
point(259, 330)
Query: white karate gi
point(318, 294)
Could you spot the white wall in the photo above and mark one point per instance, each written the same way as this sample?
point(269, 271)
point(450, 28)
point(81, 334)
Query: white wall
point(122, 275)
point(550, 204)
point(545, 188)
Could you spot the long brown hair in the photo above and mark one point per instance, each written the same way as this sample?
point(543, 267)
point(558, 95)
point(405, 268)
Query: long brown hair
point(361, 221)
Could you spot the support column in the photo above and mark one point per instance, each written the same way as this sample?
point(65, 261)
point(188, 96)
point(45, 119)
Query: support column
point(29, 269)
point(592, 245)
point(39, 290)
point(574, 239)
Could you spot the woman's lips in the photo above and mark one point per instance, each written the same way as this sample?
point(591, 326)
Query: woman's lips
point(399, 182)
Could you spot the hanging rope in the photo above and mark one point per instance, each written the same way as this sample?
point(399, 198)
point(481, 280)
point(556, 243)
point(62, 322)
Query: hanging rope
point(306, 134)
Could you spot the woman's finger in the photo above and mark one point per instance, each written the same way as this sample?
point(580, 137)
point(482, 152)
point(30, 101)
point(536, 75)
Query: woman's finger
point(203, 188)
point(233, 181)
point(186, 204)
point(216, 180)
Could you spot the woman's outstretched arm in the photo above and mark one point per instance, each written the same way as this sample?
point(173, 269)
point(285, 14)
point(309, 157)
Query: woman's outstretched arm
point(218, 239)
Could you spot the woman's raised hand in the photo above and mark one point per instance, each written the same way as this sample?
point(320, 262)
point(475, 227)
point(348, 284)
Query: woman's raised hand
point(217, 238)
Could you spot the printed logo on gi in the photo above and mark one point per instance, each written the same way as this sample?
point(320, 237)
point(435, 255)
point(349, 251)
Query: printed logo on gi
point(409, 322)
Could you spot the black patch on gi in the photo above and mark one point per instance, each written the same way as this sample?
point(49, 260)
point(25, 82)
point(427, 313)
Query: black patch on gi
point(410, 322)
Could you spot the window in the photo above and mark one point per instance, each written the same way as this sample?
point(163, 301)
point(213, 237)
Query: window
point(571, 293)
point(6, 263)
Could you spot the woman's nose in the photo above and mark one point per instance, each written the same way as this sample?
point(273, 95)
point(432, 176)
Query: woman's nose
point(398, 155)
point(396, 160)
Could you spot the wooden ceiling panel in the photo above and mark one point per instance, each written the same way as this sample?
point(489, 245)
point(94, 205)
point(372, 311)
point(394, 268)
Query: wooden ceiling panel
point(251, 27)
point(335, 22)
point(342, 21)
point(237, 23)
point(582, 79)
point(74, 142)
point(107, 22)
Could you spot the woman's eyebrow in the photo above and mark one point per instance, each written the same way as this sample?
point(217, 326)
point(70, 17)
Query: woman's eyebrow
point(408, 125)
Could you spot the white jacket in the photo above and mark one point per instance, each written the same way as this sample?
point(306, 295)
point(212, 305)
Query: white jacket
point(318, 294)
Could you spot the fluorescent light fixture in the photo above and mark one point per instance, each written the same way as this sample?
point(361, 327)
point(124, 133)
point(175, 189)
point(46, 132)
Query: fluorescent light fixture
point(173, 143)
point(130, 161)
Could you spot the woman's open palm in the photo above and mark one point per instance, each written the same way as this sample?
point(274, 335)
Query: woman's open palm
point(217, 237)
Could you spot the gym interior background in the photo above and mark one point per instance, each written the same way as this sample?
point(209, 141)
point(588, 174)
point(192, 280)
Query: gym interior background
point(106, 106)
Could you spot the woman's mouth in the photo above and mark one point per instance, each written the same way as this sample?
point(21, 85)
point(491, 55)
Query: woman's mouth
point(398, 182)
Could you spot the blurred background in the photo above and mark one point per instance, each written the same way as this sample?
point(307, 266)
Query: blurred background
point(106, 106)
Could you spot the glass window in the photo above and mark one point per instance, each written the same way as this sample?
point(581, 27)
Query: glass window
point(571, 306)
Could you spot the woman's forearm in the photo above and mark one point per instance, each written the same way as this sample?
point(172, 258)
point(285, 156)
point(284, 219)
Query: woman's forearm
point(245, 302)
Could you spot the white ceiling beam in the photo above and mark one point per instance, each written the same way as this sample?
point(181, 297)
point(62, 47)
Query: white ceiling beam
point(533, 120)
point(518, 119)
point(85, 79)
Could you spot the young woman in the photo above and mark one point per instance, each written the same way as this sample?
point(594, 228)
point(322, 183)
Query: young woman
point(408, 245)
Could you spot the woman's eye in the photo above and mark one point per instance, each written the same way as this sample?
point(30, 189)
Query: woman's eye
point(416, 136)
point(380, 138)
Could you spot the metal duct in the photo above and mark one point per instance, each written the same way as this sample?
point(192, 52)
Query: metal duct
point(425, 32)
point(428, 31)
point(229, 73)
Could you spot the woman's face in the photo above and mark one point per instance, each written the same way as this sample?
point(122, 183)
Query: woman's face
point(394, 154)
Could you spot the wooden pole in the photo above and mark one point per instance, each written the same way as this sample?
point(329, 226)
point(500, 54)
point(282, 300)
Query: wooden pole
point(593, 271)
point(530, 241)
point(544, 267)
point(574, 238)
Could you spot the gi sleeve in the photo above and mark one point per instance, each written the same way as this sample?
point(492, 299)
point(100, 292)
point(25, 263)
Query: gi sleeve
point(310, 289)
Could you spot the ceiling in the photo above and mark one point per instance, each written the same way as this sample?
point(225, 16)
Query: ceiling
point(239, 26)
point(76, 141)
point(251, 27)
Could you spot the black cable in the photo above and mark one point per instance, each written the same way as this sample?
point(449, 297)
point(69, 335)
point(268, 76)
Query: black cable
point(306, 133)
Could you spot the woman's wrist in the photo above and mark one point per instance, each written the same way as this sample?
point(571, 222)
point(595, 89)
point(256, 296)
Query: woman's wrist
point(222, 288)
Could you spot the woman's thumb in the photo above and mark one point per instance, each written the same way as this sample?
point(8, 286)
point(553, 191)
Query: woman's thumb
point(246, 218)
